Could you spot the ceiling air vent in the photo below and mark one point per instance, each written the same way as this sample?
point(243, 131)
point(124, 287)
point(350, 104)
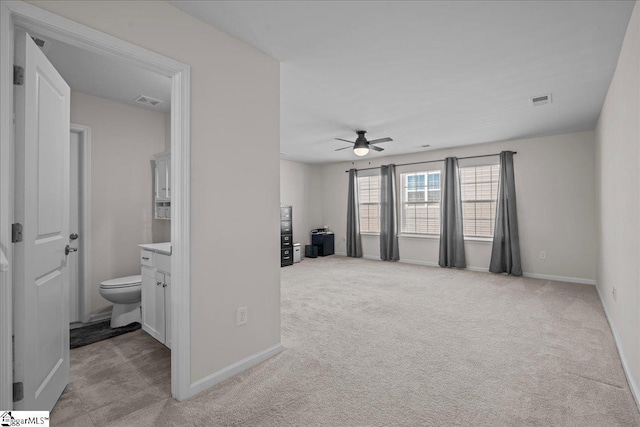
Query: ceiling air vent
point(148, 101)
point(541, 100)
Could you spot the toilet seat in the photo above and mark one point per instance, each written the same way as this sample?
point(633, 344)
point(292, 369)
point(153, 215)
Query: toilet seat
point(122, 282)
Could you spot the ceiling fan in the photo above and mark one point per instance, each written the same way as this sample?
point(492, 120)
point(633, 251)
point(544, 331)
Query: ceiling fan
point(361, 146)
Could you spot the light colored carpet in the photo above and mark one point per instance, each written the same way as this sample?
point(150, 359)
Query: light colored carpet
point(382, 344)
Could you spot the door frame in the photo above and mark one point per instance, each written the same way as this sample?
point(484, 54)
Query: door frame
point(19, 14)
point(84, 221)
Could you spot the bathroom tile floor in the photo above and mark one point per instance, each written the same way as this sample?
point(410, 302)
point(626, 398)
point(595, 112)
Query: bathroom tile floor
point(114, 378)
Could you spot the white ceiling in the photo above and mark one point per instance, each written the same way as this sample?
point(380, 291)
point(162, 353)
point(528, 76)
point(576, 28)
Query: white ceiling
point(441, 73)
point(109, 78)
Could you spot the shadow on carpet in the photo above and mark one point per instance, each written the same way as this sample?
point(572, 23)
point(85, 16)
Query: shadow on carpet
point(90, 334)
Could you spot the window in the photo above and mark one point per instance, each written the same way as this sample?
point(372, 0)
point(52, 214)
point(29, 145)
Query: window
point(369, 203)
point(421, 202)
point(479, 187)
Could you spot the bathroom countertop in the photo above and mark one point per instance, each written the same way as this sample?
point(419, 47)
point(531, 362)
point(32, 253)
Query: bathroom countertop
point(161, 248)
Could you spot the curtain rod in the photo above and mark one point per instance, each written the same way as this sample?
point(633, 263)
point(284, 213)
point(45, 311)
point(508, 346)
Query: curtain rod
point(432, 161)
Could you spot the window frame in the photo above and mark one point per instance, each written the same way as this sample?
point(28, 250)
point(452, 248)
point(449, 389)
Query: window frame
point(368, 174)
point(401, 201)
point(404, 200)
point(477, 237)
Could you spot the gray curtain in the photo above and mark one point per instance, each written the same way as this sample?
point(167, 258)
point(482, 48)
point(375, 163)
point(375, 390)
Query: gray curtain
point(451, 233)
point(354, 243)
point(388, 214)
point(505, 254)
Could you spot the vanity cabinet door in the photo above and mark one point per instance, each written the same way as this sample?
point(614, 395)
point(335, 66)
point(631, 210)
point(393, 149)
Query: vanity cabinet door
point(153, 304)
point(167, 309)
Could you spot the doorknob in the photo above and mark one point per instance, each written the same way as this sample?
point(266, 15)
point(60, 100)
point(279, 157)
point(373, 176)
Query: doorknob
point(68, 249)
point(73, 236)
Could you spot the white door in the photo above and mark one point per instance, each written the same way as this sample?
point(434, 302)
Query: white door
point(74, 216)
point(41, 290)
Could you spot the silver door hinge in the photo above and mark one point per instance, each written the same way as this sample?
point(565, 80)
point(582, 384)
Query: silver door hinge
point(18, 75)
point(16, 232)
point(18, 392)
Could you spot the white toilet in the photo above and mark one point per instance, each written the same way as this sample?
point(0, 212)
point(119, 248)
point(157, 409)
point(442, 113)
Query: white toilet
point(125, 294)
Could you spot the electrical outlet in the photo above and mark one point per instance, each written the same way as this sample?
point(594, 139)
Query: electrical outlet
point(543, 254)
point(614, 292)
point(241, 316)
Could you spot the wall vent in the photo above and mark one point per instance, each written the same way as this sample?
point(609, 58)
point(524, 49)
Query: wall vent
point(540, 100)
point(148, 101)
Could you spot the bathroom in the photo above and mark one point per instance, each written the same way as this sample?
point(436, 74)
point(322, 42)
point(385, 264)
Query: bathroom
point(120, 199)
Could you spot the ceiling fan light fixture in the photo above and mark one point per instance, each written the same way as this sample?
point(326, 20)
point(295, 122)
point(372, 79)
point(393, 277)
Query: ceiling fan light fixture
point(362, 151)
point(361, 148)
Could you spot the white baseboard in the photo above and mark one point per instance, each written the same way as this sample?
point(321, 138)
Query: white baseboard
point(486, 270)
point(99, 317)
point(478, 269)
point(419, 262)
point(578, 280)
point(435, 264)
point(231, 370)
point(635, 388)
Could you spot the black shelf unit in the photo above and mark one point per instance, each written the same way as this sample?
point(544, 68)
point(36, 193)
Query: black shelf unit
point(286, 236)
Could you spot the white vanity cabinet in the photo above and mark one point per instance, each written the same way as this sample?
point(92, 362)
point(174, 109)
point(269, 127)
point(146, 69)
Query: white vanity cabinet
point(167, 309)
point(156, 292)
point(162, 185)
point(153, 315)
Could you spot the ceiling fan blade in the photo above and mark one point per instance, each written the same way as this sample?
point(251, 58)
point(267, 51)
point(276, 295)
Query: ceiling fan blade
point(373, 147)
point(343, 148)
point(340, 139)
point(378, 141)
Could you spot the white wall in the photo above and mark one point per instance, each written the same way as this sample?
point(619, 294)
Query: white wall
point(123, 140)
point(618, 165)
point(235, 136)
point(301, 187)
point(555, 180)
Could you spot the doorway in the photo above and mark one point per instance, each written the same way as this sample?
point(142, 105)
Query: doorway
point(31, 18)
point(80, 221)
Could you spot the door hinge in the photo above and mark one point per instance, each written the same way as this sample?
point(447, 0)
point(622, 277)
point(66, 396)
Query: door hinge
point(18, 75)
point(16, 232)
point(18, 392)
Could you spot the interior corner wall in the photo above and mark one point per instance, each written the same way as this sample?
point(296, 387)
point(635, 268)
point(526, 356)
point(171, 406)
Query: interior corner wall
point(235, 139)
point(301, 188)
point(618, 184)
point(123, 140)
point(555, 179)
